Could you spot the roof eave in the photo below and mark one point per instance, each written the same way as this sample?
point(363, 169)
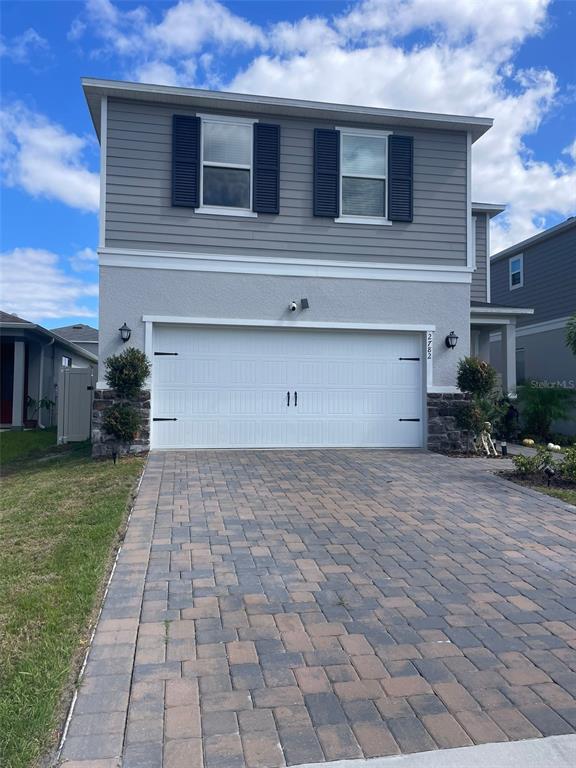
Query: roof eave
point(94, 88)
point(46, 332)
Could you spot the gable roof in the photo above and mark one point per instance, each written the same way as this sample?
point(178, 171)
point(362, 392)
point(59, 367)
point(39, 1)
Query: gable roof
point(6, 317)
point(197, 98)
point(79, 333)
point(8, 321)
point(540, 237)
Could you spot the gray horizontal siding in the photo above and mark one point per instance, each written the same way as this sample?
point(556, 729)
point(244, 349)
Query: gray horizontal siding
point(549, 279)
point(478, 288)
point(139, 212)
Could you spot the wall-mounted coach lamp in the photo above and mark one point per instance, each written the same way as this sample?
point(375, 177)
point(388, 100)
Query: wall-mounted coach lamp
point(451, 340)
point(125, 332)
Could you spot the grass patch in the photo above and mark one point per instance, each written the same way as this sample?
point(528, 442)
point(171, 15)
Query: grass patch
point(15, 444)
point(60, 519)
point(564, 494)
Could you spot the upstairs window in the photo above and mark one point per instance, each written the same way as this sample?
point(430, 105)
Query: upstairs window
point(66, 361)
point(364, 173)
point(516, 272)
point(227, 163)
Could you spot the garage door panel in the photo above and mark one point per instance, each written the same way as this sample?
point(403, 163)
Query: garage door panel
point(227, 388)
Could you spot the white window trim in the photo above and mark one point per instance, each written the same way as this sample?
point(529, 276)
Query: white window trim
point(473, 244)
point(217, 210)
point(357, 219)
point(518, 256)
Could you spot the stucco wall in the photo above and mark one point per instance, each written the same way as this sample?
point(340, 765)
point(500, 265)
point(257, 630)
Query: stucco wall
point(128, 293)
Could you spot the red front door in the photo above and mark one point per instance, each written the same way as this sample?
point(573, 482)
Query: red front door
point(6, 381)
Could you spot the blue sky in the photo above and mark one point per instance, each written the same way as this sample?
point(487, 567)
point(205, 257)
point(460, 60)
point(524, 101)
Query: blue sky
point(513, 61)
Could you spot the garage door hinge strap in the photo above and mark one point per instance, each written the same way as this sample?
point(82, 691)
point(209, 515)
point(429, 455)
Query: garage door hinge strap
point(164, 419)
point(165, 354)
point(408, 419)
point(408, 358)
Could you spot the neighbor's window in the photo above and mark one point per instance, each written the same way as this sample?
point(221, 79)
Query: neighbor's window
point(66, 362)
point(364, 169)
point(516, 266)
point(227, 163)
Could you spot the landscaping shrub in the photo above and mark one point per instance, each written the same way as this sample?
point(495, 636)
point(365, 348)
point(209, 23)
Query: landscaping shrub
point(568, 465)
point(122, 421)
point(531, 465)
point(476, 377)
point(127, 372)
point(541, 405)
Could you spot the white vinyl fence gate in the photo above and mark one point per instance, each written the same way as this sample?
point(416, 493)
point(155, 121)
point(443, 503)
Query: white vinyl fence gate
point(74, 404)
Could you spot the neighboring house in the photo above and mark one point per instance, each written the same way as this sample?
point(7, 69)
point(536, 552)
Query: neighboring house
point(31, 359)
point(83, 335)
point(292, 269)
point(540, 272)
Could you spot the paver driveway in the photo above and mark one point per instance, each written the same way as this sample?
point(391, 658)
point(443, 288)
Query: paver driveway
point(317, 605)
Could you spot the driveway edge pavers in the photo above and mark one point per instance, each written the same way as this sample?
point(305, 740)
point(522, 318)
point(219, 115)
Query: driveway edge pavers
point(96, 723)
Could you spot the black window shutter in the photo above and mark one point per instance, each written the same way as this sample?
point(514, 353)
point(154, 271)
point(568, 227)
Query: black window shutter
point(326, 172)
point(186, 134)
point(400, 173)
point(266, 189)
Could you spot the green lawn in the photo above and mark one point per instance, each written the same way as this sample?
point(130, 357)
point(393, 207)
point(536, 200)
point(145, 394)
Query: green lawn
point(565, 494)
point(60, 518)
point(15, 443)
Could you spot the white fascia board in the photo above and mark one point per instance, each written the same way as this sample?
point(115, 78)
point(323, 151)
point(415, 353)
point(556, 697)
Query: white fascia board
point(204, 99)
point(496, 310)
point(290, 324)
point(204, 262)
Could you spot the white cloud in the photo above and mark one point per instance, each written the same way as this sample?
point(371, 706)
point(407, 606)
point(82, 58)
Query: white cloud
point(160, 51)
point(84, 260)
point(36, 287)
point(45, 160)
point(22, 48)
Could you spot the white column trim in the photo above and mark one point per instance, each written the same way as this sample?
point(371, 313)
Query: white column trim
point(18, 379)
point(488, 279)
point(103, 153)
point(469, 255)
point(429, 359)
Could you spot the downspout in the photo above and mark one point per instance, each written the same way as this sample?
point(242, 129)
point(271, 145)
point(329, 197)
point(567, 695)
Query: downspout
point(41, 380)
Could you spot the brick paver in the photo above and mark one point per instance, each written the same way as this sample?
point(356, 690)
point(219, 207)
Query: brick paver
point(277, 608)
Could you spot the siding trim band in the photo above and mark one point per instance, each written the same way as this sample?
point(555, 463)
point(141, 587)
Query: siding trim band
point(437, 273)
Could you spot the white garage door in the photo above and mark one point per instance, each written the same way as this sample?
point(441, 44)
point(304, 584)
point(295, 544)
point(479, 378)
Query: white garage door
point(245, 387)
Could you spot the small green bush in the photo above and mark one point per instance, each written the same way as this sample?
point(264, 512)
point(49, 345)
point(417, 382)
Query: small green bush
point(541, 405)
point(568, 466)
point(531, 465)
point(476, 377)
point(122, 421)
point(127, 372)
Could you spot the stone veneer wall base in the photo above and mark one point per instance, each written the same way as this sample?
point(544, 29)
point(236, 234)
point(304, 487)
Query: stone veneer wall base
point(104, 444)
point(444, 434)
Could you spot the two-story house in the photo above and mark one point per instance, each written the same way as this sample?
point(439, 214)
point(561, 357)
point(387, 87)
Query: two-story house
point(298, 273)
point(540, 272)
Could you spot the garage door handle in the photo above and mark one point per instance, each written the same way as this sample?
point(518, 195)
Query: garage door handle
point(295, 399)
point(167, 354)
point(408, 419)
point(287, 399)
point(165, 419)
